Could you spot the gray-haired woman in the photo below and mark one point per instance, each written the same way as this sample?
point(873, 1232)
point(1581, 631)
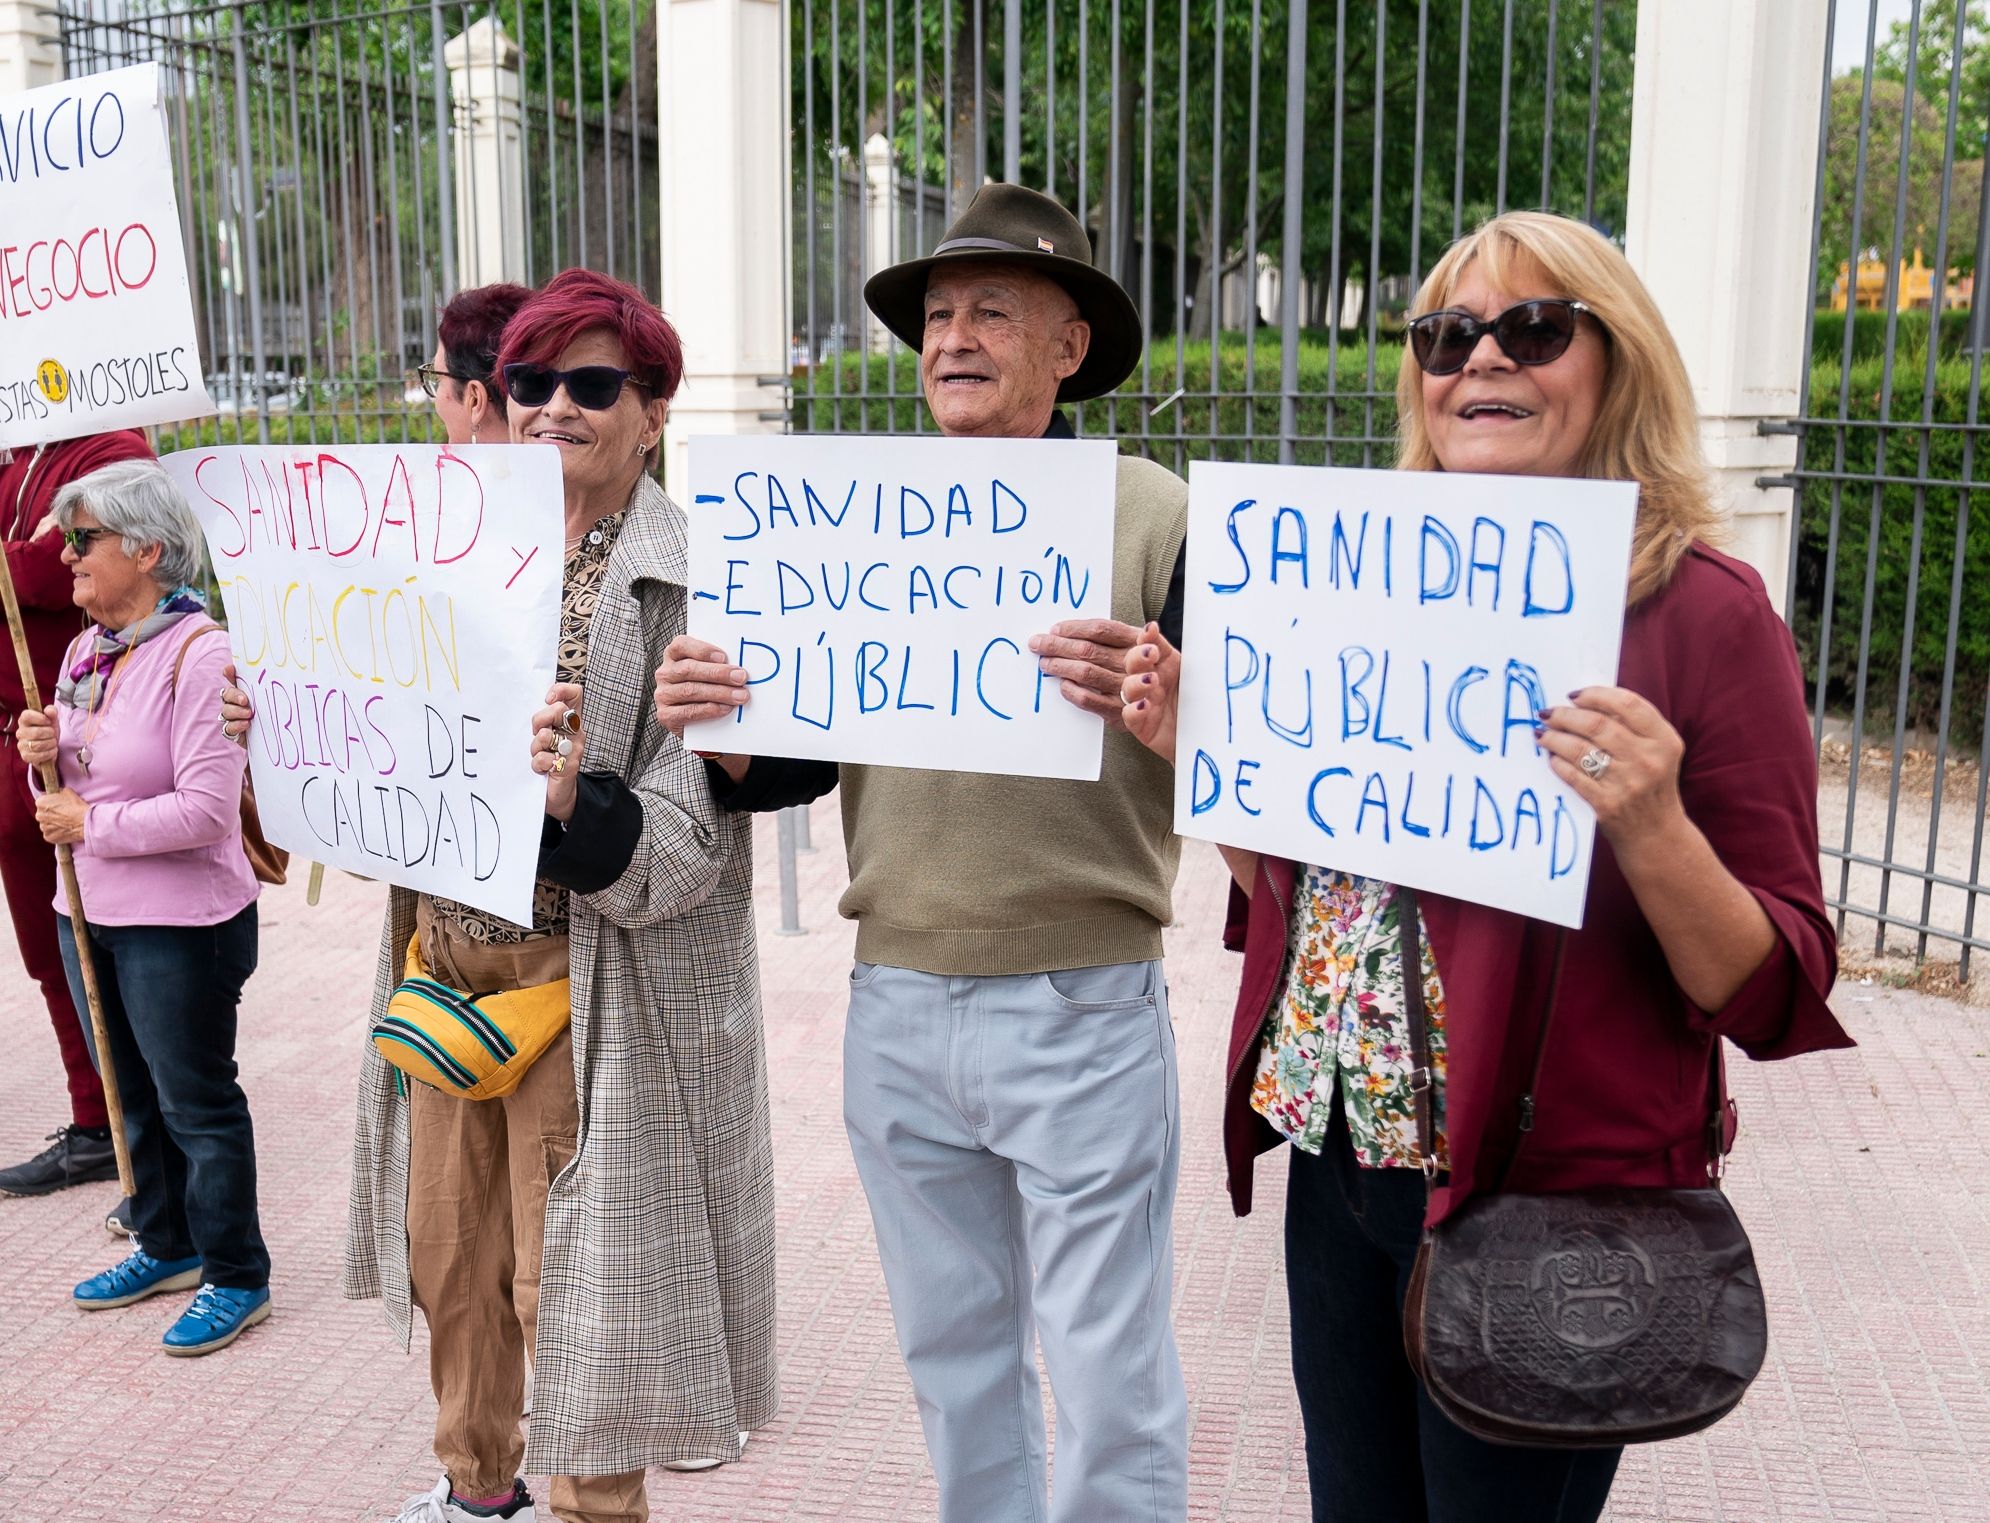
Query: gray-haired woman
point(150, 802)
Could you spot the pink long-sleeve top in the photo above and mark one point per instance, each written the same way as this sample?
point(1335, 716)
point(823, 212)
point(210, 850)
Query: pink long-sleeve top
point(162, 843)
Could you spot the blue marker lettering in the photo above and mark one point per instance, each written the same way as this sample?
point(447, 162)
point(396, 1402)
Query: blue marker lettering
point(981, 674)
point(740, 497)
point(1237, 543)
point(1453, 707)
point(734, 584)
point(1313, 792)
point(1559, 548)
point(1300, 735)
point(1434, 533)
point(1001, 490)
point(1524, 681)
point(1232, 681)
point(1351, 694)
point(864, 584)
point(1480, 563)
point(1482, 795)
point(1297, 557)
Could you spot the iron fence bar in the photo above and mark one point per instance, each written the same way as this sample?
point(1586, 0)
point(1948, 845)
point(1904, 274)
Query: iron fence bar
point(1334, 267)
point(980, 97)
point(1810, 307)
point(251, 253)
point(1371, 277)
point(1214, 242)
point(1838, 447)
point(1416, 152)
point(1458, 131)
point(1181, 211)
point(838, 277)
point(1505, 104)
point(1548, 114)
point(1012, 81)
point(1147, 205)
point(1050, 99)
point(1595, 98)
point(1251, 273)
point(1084, 129)
point(1878, 508)
point(1288, 285)
point(1938, 296)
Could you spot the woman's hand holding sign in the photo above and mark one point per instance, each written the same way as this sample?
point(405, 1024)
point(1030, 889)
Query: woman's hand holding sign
point(558, 744)
point(1621, 755)
point(1150, 692)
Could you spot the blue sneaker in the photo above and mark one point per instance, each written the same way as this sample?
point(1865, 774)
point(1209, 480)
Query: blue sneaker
point(137, 1277)
point(216, 1319)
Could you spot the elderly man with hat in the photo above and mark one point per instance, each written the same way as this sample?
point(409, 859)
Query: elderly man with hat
point(1008, 1064)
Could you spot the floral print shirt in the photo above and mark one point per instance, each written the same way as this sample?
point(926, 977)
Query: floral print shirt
point(1340, 1021)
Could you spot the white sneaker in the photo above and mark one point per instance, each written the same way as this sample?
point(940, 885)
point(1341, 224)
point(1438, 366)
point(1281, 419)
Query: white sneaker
point(436, 1507)
point(690, 1465)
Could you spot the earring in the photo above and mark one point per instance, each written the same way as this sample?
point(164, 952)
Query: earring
point(473, 436)
point(642, 448)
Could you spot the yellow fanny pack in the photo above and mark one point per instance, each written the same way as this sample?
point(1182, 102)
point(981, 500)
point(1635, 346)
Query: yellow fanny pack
point(473, 1046)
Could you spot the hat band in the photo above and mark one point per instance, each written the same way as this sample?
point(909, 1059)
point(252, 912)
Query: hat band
point(982, 243)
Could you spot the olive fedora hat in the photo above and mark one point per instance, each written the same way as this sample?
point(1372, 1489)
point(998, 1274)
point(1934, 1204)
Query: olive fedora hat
point(1019, 226)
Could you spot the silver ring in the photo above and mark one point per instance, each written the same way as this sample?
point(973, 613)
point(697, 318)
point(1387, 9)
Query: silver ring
point(1594, 764)
point(564, 746)
point(228, 734)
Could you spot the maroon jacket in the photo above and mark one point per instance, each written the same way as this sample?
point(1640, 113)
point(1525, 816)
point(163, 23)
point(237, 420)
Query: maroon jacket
point(41, 581)
point(1622, 1097)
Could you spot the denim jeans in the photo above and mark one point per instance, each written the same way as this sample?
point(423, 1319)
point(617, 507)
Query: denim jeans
point(170, 994)
point(1375, 1445)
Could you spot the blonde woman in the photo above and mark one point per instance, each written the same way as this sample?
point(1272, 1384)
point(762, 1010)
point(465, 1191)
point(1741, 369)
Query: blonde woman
point(1536, 351)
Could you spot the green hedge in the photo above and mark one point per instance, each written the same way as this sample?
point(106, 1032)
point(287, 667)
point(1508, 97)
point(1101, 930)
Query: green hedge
point(341, 425)
point(854, 394)
point(1858, 506)
point(1827, 336)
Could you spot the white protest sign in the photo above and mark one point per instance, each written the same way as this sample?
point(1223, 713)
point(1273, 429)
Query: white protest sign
point(394, 612)
point(1365, 655)
point(96, 321)
point(880, 594)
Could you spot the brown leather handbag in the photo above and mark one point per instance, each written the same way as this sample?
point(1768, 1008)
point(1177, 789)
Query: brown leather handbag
point(1581, 1320)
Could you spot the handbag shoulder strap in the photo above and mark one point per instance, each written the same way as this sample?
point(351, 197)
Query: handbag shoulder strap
point(1423, 1075)
point(209, 627)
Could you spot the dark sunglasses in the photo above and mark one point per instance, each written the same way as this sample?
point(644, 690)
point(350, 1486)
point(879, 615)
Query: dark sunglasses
point(80, 540)
point(1528, 333)
point(431, 378)
point(594, 387)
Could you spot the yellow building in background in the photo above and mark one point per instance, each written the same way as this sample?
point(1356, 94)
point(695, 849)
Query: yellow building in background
point(1915, 291)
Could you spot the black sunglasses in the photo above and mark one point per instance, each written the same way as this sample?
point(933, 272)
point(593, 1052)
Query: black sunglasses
point(80, 540)
point(1528, 333)
point(594, 387)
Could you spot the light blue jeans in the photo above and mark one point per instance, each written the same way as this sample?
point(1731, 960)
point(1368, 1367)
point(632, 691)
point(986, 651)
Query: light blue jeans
point(1002, 1125)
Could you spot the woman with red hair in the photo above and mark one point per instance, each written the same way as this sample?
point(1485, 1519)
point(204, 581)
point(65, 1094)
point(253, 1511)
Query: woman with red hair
point(613, 1216)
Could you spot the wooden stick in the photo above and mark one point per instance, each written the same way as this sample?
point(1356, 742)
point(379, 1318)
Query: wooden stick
point(65, 863)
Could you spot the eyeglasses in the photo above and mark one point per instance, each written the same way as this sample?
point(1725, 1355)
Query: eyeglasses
point(431, 378)
point(80, 540)
point(594, 387)
point(1528, 333)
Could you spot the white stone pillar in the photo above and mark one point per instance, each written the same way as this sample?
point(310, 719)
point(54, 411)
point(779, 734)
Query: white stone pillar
point(723, 120)
point(1723, 179)
point(30, 45)
point(485, 91)
point(880, 227)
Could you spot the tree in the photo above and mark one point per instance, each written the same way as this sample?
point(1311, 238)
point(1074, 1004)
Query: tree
point(1192, 192)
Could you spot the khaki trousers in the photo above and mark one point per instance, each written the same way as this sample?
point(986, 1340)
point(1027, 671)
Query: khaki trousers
point(478, 1172)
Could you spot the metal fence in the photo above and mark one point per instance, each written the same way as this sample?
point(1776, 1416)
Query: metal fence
point(1889, 589)
point(1269, 178)
point(343, 169)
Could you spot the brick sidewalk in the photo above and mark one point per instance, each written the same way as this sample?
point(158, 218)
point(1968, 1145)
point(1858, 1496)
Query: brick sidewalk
point(1864, 1178)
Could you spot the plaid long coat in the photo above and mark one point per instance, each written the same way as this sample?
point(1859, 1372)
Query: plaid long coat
point(656, 1310)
